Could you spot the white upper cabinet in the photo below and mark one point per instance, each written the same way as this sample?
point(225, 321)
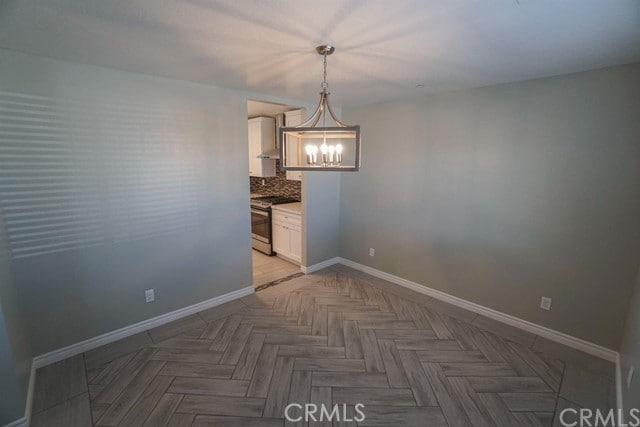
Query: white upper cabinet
point(261, 139)
point(293, 118)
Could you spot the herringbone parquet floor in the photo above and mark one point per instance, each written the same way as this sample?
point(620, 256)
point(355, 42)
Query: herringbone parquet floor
point(329, 338)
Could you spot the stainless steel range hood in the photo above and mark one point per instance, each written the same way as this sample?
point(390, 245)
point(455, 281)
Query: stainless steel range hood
point(275, 153)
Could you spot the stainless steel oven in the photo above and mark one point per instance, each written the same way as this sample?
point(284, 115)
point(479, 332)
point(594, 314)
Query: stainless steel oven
point(261, 229)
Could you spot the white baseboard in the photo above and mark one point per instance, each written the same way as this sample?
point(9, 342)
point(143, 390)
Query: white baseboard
point(26, 420)
point(109, 337)
point(30, 391)
point(553, 335)
point(320, 265)
point(20, 422)
point(619, 401)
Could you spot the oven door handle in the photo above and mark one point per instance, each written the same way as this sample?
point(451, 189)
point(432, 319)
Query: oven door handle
point(259, 212)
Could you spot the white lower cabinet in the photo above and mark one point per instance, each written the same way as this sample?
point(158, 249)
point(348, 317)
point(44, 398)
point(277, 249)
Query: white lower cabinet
point(287, 235)
point(295, 244)
point(280, 239)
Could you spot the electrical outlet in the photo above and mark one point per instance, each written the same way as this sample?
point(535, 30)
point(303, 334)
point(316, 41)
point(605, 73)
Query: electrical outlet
point(372, 252)
point(545, 303)
point(630, 376)
point(149, 295)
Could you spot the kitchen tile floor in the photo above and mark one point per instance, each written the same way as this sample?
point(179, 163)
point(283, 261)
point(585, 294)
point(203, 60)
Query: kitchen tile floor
point(337, 336)
point(269, 268)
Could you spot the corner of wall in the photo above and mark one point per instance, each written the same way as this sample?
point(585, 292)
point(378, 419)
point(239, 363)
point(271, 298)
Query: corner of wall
point(628, 395)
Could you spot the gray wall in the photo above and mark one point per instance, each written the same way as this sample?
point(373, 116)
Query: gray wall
point(630, 351)
point(158, 174)
point(12, 391)
point(15, 354)
point(503, 194)
point(321, 216)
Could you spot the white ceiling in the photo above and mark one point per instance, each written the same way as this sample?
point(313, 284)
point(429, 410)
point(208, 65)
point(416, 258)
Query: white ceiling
point(384, 48)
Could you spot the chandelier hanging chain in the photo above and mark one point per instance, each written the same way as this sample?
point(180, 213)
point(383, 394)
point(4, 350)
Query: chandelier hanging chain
point(324, 84)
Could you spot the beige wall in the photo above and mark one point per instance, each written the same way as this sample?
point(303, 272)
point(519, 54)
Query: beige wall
point(503, 194)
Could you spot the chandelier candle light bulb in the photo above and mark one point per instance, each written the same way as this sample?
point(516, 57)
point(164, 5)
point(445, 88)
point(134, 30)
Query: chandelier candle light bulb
point(324, 149)
point(332, 150)
point(309, 149)
point(339, 153)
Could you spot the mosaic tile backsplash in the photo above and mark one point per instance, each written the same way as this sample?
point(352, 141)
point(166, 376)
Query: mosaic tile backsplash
point(278, 185)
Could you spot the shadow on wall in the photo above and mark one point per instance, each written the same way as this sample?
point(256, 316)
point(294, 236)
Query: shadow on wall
point(67, 183)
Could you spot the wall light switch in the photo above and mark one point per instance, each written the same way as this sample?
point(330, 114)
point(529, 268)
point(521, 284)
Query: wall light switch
point(372, 252)
point(149, 295)
point(545, 303)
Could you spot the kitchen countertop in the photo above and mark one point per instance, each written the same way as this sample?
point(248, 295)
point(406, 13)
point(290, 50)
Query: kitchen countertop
point(295, 208)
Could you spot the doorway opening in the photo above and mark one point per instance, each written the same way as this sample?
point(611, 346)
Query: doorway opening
point(276, 197)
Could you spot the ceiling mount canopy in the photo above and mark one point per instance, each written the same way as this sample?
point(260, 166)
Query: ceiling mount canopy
point(321, 148)
point(325, 49)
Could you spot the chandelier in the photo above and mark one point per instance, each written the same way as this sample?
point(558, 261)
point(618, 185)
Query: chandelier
point(309, 146)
